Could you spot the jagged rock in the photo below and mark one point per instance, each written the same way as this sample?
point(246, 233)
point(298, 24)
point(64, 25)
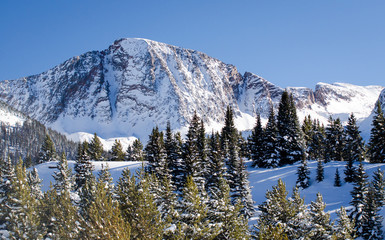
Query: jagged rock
point(136, 84)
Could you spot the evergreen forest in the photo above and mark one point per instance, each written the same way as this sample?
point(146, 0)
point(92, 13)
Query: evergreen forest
point(192, 187)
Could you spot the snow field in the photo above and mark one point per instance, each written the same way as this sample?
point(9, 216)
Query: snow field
point(46, 170)
point(261, 180)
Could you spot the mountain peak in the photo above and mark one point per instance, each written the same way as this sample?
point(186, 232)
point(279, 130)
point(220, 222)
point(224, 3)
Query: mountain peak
point(136, 84)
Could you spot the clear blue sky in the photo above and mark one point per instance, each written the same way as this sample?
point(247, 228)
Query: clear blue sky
point(288, 42)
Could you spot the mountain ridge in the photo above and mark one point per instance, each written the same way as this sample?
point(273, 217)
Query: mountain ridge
point(136, 84)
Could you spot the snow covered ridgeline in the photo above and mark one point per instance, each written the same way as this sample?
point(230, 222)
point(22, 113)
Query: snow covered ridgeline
point(135, 84)
point(260, 179)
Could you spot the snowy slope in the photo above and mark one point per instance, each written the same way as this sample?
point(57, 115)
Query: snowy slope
point(46, 170)
point(261, 180)
point(341, 99)
point(107, 143)
point(334, 197)
point(366, 124)
point(127, 89)
point(136, 84)
point(257, 96)
point(10, 116)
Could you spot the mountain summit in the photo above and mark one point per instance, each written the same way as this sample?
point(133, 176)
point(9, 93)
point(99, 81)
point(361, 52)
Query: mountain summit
point(137, 84)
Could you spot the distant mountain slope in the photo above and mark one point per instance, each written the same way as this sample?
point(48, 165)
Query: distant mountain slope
point(137, 84)
point(366, 124)
point(22, 136)
point(127, 89)
point(10, 116)
point(336, 100)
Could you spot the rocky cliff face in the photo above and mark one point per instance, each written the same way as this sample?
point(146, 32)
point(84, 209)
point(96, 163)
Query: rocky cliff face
point(136, 84)
point(128, 88)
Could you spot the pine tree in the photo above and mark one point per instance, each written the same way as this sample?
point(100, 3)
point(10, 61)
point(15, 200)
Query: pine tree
point(243, 146)
point(271, 154)
point(228, 132)
point(48, 214)
point(235, 170)
point(138, 206)
point(193, 212)
point(244, 197)
point(379, 186)
point(104, 178)
point(298, 225)
point(34, 182)
point(337, 179)
point(202, 147)
point(303, 175)
point(117, 153)
point(316, 148)
point(358, 194)
point(165, 198)
point(23, 222)
point(83, 166)
point(156, 155)
point(376, 149)
point(175, 162)
point(105, 220)
point(95, 149)
point(290, 137)
point(350, 171)
point(172, 157)
point(86, 196)
point(47, 152)
point(216, 167)
point(335, 141)
point(236, 173)
point(308, 133)
point(371, 221)
point(226, 216)
point(330, 142)
point(135, 152)
point(63, 176)
point(28, 161)
point(344, 230)
point(289, 214)
point(354, 146)
point(256, 143)
point(322, 228)
point(7, 177)
point(277, 210)
point(58, 215)
point(85, 182)
point(320, 171)
point(271, 232)
point(192, 154)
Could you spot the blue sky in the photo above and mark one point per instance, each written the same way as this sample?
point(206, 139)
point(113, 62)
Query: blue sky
point(290, 43)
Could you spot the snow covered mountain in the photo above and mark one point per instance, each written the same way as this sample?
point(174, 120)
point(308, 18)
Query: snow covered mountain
point(366, 124)
point(11, 117)
point(337, 100)
point(136, 84)
point(127, 89)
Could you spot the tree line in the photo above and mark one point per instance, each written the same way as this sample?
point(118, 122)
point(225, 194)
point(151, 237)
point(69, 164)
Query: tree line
point(195, 187)
point(25, 140)
point(284, 141)
point(192, 189)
